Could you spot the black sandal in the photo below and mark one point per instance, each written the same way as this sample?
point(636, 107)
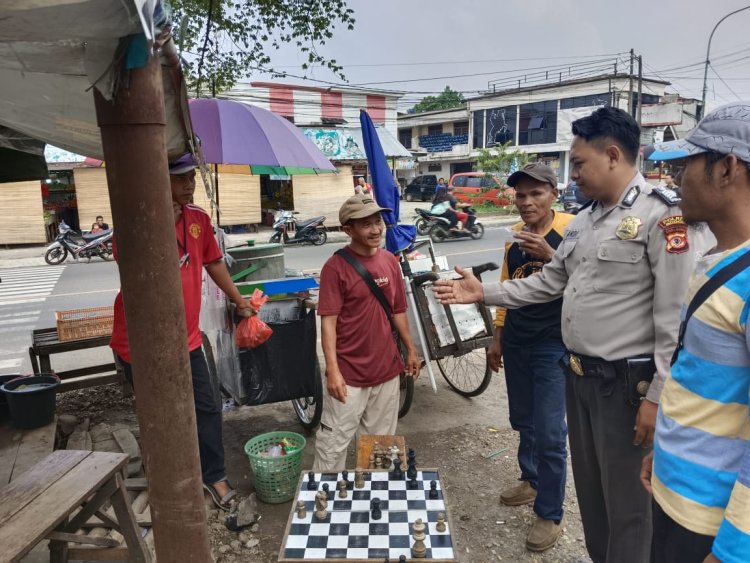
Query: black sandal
point(225, 502)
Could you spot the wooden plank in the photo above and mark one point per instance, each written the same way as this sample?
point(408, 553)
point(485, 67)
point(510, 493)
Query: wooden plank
point(35, 445)
point(239, 197)
point(25, 489)
point(38, 518)
point(366, 443)
point(83, 539)
point(322, 194)
point(137, 550)
point(98, 554)
point(92, 196)
point(10, 439)
point(89, 381)
point(136, 484)
point(91, 370)
point(49, 344)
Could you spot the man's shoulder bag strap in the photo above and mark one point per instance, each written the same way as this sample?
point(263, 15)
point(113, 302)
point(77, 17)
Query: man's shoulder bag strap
point(362, 271)
point(714, 283)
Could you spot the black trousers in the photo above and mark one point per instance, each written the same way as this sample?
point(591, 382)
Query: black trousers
point(207, 414)
point(674, 544)
point(615, 508)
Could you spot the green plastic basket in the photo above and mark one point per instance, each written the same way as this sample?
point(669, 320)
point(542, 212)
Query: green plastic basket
point(276, 478)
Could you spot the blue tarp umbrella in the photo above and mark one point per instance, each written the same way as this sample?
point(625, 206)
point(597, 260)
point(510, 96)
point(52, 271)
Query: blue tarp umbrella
point(397, 237)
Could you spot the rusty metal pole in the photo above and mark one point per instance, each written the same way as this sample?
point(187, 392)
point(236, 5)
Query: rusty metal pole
point(133, 138)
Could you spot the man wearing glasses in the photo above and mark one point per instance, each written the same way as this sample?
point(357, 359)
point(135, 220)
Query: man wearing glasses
point(197, 248)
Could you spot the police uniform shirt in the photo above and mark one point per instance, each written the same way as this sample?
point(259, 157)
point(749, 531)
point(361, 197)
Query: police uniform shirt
point(622, 272)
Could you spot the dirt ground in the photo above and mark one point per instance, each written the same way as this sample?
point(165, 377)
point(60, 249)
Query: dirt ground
point(447, 431)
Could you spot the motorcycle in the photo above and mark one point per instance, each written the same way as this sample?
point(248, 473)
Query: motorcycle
point(309, 231)
point(441, 228)
point(79, 245)
point(424, 221)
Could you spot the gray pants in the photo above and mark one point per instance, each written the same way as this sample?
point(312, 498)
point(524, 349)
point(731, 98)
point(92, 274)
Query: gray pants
point(615, 508)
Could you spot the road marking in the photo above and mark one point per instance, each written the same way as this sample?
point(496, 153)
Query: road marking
point(28, 285)
point(56, 295)
point(475, 251)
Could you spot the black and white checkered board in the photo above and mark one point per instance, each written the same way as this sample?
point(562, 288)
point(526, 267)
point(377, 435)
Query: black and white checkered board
point(349, 532)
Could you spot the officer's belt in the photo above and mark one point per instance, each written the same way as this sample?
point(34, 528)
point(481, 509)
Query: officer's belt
point(588, 366)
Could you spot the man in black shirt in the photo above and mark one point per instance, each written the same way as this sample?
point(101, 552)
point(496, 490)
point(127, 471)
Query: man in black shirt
point(529, 340)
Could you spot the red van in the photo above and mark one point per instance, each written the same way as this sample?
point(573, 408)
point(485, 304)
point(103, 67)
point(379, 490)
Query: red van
point(480, 188)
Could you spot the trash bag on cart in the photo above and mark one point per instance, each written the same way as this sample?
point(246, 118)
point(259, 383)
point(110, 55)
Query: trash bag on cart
point(284, 367)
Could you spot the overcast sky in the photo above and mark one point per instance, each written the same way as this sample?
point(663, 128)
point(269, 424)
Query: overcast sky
point(405, 40)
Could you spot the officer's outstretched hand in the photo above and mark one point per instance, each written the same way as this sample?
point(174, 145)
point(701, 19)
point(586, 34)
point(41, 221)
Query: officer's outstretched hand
point(645, 422)
point(466, 290)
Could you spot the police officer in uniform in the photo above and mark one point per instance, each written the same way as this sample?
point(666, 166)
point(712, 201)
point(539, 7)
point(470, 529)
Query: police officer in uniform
point(622, 269)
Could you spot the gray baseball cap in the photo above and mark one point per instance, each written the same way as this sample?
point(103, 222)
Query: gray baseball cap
point(537, 171)
point(725, 130)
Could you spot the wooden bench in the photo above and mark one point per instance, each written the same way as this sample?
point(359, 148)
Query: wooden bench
point(55, 497)
point(45, 342)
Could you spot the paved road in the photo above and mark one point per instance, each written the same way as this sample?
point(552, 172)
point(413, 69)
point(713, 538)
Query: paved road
point(29, 296)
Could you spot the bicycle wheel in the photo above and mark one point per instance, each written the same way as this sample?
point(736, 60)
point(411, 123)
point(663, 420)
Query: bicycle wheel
point(309, 409)
point(468, 374)
point(405, 395)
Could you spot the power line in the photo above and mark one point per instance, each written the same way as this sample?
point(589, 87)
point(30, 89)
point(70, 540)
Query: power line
point(724, 82)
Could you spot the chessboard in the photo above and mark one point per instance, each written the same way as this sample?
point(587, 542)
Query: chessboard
point(350, 533)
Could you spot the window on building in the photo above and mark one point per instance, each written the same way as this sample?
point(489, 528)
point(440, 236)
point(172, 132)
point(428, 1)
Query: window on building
point(435, 129)
point(404, 137)
point(501, 126)
point(478, 133)
point(435, 167)
point(461, 128)
point(586, 101)
point(537, 123)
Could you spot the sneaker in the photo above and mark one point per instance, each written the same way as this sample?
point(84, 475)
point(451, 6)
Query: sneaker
point(523, 493)
point(543, 534)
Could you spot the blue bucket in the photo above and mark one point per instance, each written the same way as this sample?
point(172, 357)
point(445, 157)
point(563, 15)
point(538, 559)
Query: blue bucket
point(32, 400)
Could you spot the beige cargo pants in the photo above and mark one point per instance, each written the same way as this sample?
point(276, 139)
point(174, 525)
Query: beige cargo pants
point(368, 410)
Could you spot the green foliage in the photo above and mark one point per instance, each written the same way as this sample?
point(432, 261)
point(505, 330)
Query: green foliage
point(445, 100)
point(501, 158)
point(223, 41)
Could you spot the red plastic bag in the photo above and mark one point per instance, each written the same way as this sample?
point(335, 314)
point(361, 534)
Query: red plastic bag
point(252, 332)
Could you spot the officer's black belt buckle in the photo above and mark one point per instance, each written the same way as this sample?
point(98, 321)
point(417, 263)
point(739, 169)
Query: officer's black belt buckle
point(584, 366)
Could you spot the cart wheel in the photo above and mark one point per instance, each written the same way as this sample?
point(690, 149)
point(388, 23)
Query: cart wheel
point(405, 395)
point(468, 374)
point(309, 409)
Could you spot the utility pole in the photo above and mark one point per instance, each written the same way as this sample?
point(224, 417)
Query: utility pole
point(133, 139)
point(640, 104)
point(630, 88)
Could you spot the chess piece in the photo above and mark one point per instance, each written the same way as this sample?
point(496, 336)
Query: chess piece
point(402, 559)
point(440, 525)
point(412, 483)
point(321, 505)
point(411, 471)
point(375, 512)
point(345, 477)
point(433, 495)
point(342, 489)
point(372, 461)
point(419, 549)
point(386, 462)
point(359, 479)
point(311, 484)
point(301, 510)
point(397, 473)
point(378, 461)
point(327, 491)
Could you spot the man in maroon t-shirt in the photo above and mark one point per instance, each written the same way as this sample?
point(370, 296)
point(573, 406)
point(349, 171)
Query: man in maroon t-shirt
point(362, 359)
point(197, 249)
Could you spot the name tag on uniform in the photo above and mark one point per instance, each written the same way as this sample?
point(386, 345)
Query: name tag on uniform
point(572, 233)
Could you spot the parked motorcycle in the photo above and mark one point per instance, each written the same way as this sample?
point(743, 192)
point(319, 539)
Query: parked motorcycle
point(79, 245)
point(310, 231)
point(441, 228)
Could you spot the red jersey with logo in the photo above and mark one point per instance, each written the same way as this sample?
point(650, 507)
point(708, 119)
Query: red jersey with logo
point(365, 347)
point(195, 237)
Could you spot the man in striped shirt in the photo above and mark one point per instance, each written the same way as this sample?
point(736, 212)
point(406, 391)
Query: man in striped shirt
point(699, 471)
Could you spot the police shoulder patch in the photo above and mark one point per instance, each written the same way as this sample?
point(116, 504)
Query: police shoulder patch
point(666, 195)
point(676, 232)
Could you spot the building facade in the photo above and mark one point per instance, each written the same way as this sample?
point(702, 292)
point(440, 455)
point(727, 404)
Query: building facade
point(537, 120)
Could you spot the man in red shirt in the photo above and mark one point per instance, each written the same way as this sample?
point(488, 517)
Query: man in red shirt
point(197, 248)
point(363, 362)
